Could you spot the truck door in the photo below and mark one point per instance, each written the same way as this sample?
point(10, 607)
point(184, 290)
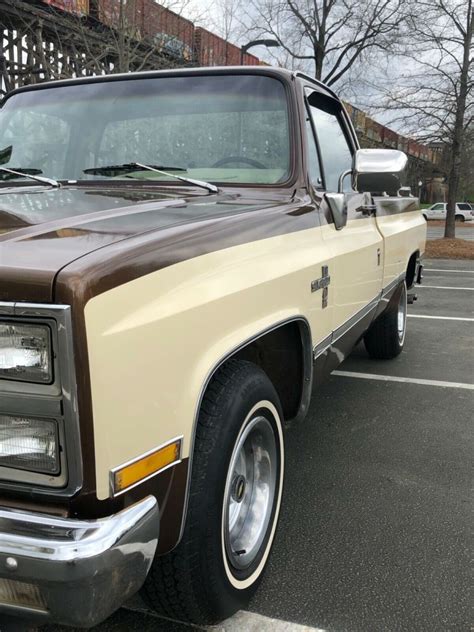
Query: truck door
point(356, 265)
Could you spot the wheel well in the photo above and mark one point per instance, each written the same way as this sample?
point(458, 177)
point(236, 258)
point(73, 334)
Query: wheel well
point(411, 269)
point(285, 354)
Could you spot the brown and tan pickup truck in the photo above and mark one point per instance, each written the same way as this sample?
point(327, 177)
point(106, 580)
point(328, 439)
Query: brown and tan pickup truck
point(184, 255)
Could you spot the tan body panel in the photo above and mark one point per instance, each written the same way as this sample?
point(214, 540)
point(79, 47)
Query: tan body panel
point(356, 279)
point(153, 342)
point(404, 234)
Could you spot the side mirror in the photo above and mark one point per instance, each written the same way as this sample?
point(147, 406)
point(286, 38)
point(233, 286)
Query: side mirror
point(338, 207)
point(379, 170)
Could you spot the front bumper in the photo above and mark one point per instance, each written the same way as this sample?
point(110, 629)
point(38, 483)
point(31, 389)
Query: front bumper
point(74, 572)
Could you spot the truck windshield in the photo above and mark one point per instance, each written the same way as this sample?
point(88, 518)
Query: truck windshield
point(225, 129)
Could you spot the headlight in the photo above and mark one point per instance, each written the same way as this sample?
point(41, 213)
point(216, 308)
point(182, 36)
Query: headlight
point(25, 353)
point(29, 444)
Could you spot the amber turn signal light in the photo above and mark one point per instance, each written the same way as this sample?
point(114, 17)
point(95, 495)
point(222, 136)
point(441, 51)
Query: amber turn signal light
point(140, 470)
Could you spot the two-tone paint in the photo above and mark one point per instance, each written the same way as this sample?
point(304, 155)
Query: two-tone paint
point(166, 282)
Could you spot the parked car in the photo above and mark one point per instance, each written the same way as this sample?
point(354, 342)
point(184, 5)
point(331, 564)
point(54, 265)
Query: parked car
point(464, 211)
point(184, 255)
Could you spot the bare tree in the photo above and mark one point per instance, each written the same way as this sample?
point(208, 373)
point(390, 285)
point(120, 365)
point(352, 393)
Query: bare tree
point(224, 19)
point(433, 99)
point(330, 35)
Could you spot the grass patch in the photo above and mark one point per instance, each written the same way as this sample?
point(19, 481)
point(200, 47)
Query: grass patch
point(449, 249)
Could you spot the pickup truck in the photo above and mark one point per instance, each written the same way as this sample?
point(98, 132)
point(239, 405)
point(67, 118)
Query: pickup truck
point(184, 255)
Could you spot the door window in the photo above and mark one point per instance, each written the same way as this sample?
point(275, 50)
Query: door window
point(438, 207)
point(336, 153)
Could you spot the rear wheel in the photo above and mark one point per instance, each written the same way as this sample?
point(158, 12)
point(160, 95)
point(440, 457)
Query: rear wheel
point(459, 218)
point(235, 495)
point(386, 336)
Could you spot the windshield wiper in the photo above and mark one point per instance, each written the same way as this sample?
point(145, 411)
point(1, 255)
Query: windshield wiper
point(24, 173)
point(132, 166)
point(127, 167)
point(199, 183)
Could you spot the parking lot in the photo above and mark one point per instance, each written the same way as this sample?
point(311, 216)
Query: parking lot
point(375, 532)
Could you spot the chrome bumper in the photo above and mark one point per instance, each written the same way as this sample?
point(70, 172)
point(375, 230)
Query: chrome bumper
point(74, 572)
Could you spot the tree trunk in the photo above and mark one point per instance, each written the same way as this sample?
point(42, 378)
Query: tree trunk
point(458, 132)
point(318, 60)
point(453, 185)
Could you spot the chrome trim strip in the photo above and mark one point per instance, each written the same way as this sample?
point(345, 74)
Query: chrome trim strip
point(327, 342)
point(322, 347)
point(115, 494)
point(306, 395)
point(343, 329)
point(356, 318)
point(57, 401)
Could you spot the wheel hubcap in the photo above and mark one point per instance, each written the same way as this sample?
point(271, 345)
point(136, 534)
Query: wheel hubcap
point(250, 492)
point(238, 489)
point(402, 315)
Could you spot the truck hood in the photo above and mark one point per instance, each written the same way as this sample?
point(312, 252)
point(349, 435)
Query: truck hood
point(43, 230)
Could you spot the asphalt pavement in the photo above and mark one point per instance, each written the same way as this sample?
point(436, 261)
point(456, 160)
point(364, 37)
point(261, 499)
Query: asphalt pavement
point(376, 527)
point(462, 232)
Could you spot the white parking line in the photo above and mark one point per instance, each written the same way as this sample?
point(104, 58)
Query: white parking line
point(251, 622)
point(242, 621)
point(445, 270)
point(405, 380)
point(444, 287)
point(467, 320)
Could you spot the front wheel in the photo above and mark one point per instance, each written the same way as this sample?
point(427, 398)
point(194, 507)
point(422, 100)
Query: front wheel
point(386, 336)
point(235, 495)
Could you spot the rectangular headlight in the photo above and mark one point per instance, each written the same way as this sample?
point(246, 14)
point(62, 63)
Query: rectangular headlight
point(29, 444)
point(25, 353)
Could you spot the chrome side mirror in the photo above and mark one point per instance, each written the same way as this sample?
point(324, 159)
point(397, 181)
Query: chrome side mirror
point(379, 170)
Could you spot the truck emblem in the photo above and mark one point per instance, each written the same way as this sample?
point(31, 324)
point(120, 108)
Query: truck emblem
point(322, 284)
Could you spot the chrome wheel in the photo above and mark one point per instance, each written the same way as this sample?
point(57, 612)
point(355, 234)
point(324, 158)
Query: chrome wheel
point(250, 490)
point(402, 315)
